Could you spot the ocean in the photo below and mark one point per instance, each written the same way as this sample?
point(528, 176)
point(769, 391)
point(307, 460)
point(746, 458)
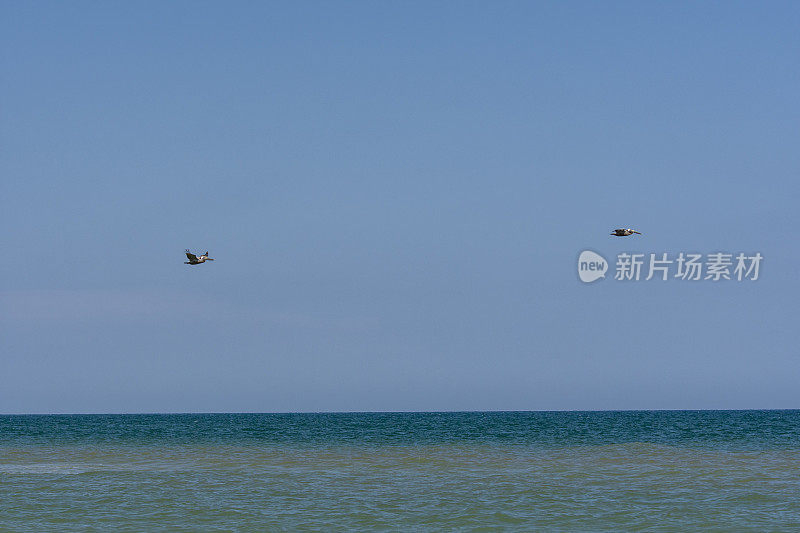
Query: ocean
point(480, 471)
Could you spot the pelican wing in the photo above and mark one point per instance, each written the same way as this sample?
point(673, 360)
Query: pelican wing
point(191, 256)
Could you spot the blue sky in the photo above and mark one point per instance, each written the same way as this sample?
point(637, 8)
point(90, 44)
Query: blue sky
point(396, 194)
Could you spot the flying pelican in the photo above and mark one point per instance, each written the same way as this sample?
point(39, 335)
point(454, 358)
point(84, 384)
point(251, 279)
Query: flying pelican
point(194, 260)
point(624, 232)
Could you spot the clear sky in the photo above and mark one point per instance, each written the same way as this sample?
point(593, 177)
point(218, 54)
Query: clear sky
point(396, 194)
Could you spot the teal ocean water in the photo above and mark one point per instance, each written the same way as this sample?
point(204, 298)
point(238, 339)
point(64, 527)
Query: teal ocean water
point(515, 471)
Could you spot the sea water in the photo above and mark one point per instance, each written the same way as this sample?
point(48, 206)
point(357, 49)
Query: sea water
point(495, 471)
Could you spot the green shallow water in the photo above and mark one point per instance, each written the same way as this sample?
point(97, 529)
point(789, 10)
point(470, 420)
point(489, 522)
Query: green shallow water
point(659, 471)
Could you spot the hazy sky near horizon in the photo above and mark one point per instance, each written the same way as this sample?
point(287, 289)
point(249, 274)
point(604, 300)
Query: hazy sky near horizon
point(396, 194)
